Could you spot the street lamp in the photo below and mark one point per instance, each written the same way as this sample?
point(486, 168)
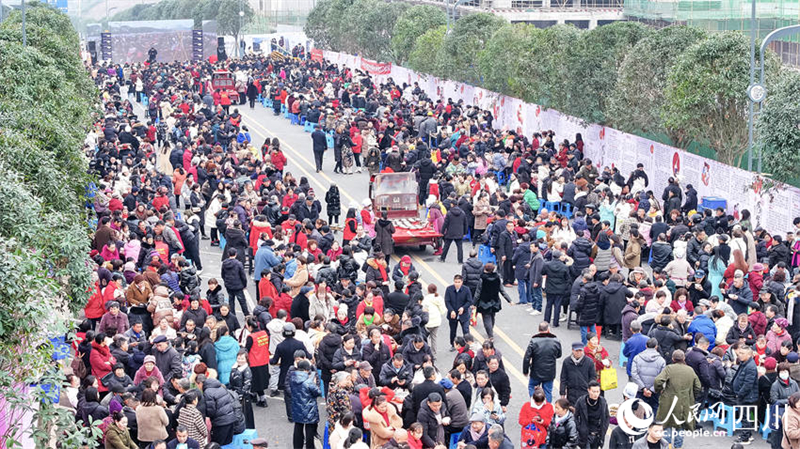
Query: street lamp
point(757, 93)
point(451, 10)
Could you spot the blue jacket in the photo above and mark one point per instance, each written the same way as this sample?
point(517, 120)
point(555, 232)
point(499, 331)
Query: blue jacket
point(304, 398)
point(704, 325)
point(636, 344)
point(227, 349)
point(265, 259)
point(745, 383)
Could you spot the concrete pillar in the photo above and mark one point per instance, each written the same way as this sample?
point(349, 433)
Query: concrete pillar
point(545, 3)
point(592, 23)
point(501, 4)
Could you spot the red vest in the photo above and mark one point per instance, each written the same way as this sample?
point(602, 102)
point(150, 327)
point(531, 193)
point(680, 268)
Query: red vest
point(163, 251)
point(348, 234)
point(259, 352)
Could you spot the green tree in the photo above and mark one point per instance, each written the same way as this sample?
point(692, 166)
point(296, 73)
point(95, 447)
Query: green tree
point(371, 23)
point(638, 100)
point(503, 61)
point(592, 66)
point(413, 23)
point(229, 21)
point(318, 26)
point(427, 55)
point(465, 42)
point(778, 128)
point(706, 93)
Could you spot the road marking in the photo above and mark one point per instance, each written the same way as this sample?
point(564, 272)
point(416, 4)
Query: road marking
point(250, 304)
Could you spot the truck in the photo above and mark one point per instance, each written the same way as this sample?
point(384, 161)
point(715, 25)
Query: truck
point(396, 194)
point(223, 80)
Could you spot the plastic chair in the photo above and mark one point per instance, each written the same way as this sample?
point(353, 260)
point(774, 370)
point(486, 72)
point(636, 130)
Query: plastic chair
point(321, 383)
point(501, 177)
point(326, 437)
point(294, 119)
point(145, 101)
point(302, 120)
point(242, 440)
point(259, 98)
point(308, 126)
point(622, 359)
point(551, 206)
point(454, 440)
point(485, 255)
point(566, 210)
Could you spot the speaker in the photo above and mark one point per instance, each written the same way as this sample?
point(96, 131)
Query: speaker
point(221, 54)
point(197, 45)
point(92, 45)
point(105, 46)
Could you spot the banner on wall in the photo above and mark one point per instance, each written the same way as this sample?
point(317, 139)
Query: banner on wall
point(375, 67)
point(772, 205)
point(316, 54)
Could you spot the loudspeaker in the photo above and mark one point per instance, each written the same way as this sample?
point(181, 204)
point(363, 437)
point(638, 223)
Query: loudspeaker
point(105, 46)
point(197, 45)
point(92, 45)
point(221, 54)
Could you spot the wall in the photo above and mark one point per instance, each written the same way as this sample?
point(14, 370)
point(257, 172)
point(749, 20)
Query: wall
point(773, 205)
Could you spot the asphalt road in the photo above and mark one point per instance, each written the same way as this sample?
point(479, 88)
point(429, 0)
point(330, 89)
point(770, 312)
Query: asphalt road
point(515, 324)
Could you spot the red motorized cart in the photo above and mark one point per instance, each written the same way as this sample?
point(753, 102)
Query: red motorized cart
point(396, 193)
point(224, 80)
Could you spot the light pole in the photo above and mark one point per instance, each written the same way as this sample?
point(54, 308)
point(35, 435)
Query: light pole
point(757, 93)
point(451, 10)
point(24, 33)
point(239, 44)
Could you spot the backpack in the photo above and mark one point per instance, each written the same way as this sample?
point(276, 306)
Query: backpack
point(78, 366)
point(238, 426)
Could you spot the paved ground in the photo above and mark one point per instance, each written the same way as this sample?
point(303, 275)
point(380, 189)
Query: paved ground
point(515, 324)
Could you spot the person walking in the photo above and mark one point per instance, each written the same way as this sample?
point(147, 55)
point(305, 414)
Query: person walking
point(320, 144)
point(487, 298)
point(454, 229)
point(458, 301)
point(540, 360)
point(577, 371)
point(557, 287)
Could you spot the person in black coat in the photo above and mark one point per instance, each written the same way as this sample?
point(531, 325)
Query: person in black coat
point(455, 227)
point(433, 417)
point(284, 352)
point(613, 298)
point(667, 337)
point(320, 142)
point(375, 351)
point(504, 250)
point(576, 373)
point(591, 418)
point(219, 409)
point(420, 393)
point(588, 305)
point(235, 279)
point(458, 300)
point(540, 360)
point(557, 287)
point(487, 297)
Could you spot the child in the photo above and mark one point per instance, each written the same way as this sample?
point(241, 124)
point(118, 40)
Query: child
point(333, 202)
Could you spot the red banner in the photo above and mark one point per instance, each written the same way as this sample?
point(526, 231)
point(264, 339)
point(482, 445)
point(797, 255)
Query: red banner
point(376, 68)
point(316, 54)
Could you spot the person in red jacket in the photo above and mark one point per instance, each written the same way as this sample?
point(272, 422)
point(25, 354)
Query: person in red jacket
point(534, 418)
point(100, 359)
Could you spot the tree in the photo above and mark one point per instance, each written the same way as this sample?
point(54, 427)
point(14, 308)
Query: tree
point(317, 25)
point(592, 66)
point(638, 100)
point(467, 39)
point(544, 82)
point(229, 20)
point(427, 55)
point(413, 23)
point(706, 93)
point(371, 23)
point(779, 128)
point(502, 62)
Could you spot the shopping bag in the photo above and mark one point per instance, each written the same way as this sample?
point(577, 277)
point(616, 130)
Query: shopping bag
point(608, 379)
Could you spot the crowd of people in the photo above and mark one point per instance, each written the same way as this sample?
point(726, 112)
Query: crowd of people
point(703, 302)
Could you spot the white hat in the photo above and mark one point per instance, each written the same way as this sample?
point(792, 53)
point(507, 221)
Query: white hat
point(630, 390)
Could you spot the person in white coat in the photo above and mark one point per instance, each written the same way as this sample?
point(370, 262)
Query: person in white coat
point(434, 305)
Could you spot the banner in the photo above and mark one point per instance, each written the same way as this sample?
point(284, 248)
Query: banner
point(376, 68)
point(316, 54)
point(772, 205)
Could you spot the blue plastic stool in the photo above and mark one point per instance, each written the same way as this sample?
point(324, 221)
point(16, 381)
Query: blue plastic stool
point(321, 383)
point(242, 440)
point(326, 437)
point(501, 177)
point(725, 419)
point(283, 108)
point(551, 206)
point(566, 210)
point(468, 235)
point(145, 101)
point(622, 359)
point(302, 120)
point(485, 255)
point(765, 431)
point(222, 242)
point(308, 126)
point(454, 440)
point(258, 98)
point(295, 119)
